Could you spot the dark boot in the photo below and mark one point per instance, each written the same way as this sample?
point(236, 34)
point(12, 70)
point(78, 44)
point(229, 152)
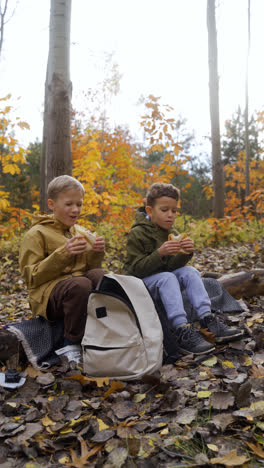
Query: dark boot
point(221, 331)
point(191, 341)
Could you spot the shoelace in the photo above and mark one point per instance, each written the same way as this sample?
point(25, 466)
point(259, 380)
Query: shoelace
point(219, 323)
point(189, 331)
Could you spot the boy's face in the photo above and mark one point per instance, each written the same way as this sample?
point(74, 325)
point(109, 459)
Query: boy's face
point(67, 207)
point(164, 212)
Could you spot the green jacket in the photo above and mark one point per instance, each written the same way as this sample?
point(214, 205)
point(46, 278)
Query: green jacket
point(142, 257)
point(44, 260)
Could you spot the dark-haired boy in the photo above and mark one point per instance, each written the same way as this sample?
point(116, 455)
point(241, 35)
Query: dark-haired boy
point(161, 265)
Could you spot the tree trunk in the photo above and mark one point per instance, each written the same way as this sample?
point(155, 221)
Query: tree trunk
point(217, 167)
point(242, 284)
point(247, 177)
point(56, 154)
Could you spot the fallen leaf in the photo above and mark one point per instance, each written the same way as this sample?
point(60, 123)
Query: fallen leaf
point(83, 380)
point(186, 416)
point(222, 400)
point(231, 459)
point(213, 447)
point(204, 394)
point(227, 364)
point(209, 336)
point(210, 362)
point(115, 385)
point(256, 449)
point(139, 397)
point(82, 461)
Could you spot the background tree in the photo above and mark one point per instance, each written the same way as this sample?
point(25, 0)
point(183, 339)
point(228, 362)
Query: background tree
point(5, 16)
point(56, 155)
point(233, 139)
point(217, 169)
point(246, 112)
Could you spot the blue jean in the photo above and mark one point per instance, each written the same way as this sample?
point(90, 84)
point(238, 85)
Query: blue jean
point(168, 286)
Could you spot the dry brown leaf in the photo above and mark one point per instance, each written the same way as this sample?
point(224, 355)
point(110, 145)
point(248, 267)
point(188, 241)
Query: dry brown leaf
point(231, 459)
point(256, 449)
point(83, 460)
point(101, 381)
point(222, 400)
point(257, 371)
point(32, 372)
point(115, 385)
point(209, 336)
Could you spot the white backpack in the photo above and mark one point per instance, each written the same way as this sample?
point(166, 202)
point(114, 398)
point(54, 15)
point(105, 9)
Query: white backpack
point(123, 336)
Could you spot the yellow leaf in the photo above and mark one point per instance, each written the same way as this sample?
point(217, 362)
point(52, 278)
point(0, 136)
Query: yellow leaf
point(204, 394)
point(164, 431)
point(248, 361)
point(102, 425)
point(46, 421)
point(227, 364)
point(139, 397)
point(64, 460)
point(210, 362)
point(213, 447)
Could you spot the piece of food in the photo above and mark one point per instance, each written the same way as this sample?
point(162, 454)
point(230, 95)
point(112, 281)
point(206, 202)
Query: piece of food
point(179, 238)
point(88, 235)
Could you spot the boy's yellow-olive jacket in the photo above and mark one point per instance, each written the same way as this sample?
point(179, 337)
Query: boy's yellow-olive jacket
point(143, 241)
point(44, 260)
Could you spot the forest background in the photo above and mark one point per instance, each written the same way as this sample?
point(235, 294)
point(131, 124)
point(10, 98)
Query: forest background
point(116, 165)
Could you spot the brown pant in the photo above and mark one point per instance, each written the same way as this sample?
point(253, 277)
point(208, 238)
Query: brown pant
point(68, 302)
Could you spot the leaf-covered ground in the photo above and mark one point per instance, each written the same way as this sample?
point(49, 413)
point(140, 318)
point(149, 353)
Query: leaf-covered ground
point(198, 412)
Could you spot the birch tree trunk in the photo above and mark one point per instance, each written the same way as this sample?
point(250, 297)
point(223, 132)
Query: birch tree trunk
point(217, 167)
point(247, 175)
point(56, 154)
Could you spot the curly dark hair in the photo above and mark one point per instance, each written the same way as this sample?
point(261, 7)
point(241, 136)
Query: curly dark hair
point(159, 189)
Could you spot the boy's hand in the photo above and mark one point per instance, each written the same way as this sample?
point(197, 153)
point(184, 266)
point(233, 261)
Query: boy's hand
point(172, 247)
point(187, 245)
point(76, 245)
point(169, 248)
point(99, 244)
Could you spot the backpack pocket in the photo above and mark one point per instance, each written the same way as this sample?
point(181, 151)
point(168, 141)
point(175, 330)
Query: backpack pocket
point(115, 362)
point(112, 343)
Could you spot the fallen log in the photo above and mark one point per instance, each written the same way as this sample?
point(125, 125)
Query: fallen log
point(243, 284)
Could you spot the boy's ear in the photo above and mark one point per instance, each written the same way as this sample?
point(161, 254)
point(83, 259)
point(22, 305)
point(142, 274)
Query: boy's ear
point(148, 210)
point(50, 204)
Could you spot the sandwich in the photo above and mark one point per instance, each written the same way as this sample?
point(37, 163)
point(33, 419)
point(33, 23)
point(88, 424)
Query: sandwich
point(88, 235)
point(179, 238)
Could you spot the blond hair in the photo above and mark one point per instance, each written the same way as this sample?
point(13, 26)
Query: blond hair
point(160, 189)
point(62, 184)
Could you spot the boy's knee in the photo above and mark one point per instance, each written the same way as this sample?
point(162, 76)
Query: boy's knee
point(166, 277)
point(80, 286)
point(190, 271)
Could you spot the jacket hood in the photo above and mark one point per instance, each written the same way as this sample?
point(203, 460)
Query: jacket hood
point(44, 218)
point(142, 219)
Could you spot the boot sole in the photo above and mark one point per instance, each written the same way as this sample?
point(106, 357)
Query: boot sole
point(226, 339)
point(185, 351)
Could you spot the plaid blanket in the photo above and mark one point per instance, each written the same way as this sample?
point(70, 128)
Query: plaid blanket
point(41, 338)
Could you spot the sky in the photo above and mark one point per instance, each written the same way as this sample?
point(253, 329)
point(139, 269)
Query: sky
point(160, 47)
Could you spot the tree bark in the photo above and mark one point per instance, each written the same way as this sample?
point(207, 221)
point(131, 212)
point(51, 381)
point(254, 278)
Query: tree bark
point(242, 284)
point(247, 176)
point(56, 154)
point(217, 167)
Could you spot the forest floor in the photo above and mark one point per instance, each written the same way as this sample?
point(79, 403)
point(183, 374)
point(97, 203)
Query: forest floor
point(196, 412)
